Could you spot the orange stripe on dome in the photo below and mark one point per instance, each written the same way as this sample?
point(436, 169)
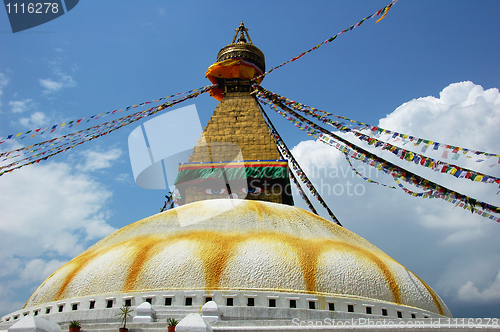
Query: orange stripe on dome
point(144, 250)
point(215, 249)
point(435, 298)
point(362, 252)
point(78, 263)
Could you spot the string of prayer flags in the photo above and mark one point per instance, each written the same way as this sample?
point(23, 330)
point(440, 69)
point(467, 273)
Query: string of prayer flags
point(303, 177)
point(286, 153)
point(67, 142)
point(403, 154)
point(302, 193)
point(414, 194)
point(74, 123)
point(172, 200)
point(88, 131)
point(361, 175)
point(382, 11)
point(379, 163)
point(355, 127)
point(466, 203)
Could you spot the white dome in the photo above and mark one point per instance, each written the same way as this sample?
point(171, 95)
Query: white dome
point(238, 245)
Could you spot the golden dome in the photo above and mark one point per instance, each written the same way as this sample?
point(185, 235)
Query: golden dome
point(241, 49)
point(238, 245)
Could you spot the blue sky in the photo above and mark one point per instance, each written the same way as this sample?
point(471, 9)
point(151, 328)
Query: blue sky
point(103, 56)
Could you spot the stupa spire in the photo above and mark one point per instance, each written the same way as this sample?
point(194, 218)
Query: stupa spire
point(238, 64)
point(242, 30)
point(236, 155)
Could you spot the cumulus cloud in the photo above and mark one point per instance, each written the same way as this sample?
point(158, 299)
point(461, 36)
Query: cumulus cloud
point(30, 216)
point(96, 160)
point(469, 292)
point(451, 249)
point(464, 114)
point(49, 215)
point(37, 119)
point(37, 270)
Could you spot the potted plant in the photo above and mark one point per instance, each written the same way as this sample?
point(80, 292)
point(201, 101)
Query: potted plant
point(124, 313)
point(172, 323)
point(74, 326)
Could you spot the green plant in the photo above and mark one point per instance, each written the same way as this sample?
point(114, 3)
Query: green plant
point(125, 312)
point(172, 322)
point(74, 323)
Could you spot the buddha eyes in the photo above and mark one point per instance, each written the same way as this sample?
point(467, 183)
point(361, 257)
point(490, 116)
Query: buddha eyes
point(212, 191)
point(220, 191)
point(254, 190)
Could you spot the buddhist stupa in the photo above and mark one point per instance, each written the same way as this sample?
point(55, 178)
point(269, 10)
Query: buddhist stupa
point(236, 251)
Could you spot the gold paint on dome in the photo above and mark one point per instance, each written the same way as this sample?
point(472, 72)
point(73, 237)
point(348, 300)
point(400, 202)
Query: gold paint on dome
point(435, 297)
point(294, 238)
point(216, 248)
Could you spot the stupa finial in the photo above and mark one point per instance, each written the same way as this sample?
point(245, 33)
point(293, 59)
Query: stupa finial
point(241, 49)
point(244, 62)
point(242, 31)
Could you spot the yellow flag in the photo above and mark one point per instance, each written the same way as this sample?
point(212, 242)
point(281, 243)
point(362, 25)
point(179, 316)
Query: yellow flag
point(386, 11)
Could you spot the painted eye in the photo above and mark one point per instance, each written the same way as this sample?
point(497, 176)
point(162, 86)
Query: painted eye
point(211, 191)
point(255, 190)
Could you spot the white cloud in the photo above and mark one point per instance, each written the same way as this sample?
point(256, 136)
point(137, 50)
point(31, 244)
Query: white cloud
point(37, 270)
point(50, 85)
point(95, 160)
point(465, 114)
point(50, 213)
point(62, 80)
point(124, 178)
point(3, 83)
point(41, 225)
point(20, 106)
point(6, 305)
point(10, 266)
point(97, 227)
point(470, 293)
point(37, 119)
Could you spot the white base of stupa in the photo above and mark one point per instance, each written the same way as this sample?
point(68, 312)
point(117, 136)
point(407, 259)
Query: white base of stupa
point(238, 309)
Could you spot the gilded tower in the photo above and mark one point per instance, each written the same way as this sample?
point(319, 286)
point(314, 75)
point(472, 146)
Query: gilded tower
point(236, 155)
